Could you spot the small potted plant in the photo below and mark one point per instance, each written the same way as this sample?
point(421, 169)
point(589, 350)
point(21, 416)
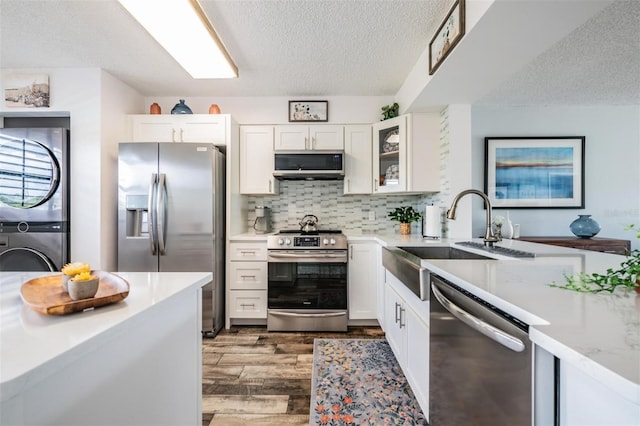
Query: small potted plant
point(627, 275)
point(83, 286)
point(405, 215)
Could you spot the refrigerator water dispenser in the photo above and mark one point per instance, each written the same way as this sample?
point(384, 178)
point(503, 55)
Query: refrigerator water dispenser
point(137, 215)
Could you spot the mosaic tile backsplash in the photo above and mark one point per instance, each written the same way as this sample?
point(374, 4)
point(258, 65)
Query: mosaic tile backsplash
point(350, 213)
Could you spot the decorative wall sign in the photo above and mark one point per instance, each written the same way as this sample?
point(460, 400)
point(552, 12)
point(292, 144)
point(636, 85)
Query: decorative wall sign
point(26, 90)
point(447, 36)
point(308, 111)
point(535, 172)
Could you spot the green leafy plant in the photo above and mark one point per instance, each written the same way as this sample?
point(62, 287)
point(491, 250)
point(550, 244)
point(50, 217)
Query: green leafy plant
point(627, 275)
point(390, 111)
point(405, 215)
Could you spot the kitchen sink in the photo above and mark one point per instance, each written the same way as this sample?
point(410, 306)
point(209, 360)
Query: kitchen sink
point(442, 253)
point(405, 264)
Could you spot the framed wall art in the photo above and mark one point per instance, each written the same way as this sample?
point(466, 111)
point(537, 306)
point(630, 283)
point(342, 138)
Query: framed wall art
point(26, 90)
point(308, 111)
point(447, 37)
point(535, 172)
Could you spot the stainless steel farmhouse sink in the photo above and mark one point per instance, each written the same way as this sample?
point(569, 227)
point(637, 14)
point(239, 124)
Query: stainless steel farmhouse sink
point(405, 264)
point(442, 253)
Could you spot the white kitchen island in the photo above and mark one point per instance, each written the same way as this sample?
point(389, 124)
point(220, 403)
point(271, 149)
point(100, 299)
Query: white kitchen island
point(130, 363)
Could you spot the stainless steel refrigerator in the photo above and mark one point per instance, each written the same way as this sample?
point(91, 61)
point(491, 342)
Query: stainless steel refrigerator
point(171, 215)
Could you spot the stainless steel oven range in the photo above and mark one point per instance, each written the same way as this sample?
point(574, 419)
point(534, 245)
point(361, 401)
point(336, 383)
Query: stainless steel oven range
point(307, 281)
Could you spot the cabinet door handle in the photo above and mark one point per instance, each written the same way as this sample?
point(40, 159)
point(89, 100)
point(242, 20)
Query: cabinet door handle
point(313, 142)
point(269, 185)
point(375, 184)
point(181, 138)
point(306, 143)
point(402, 310)
point(173, 135)
point(397, 311)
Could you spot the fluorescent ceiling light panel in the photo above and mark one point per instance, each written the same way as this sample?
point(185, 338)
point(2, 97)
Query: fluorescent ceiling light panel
point(182, 28)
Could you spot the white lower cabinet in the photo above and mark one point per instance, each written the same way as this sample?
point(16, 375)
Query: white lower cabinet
point(362, 281)
point(407, 331)
point(586, 401)
point(247, 280)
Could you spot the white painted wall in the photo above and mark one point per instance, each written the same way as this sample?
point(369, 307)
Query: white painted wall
point(117, 101)
point(274, 109)
point(612, 159)
point(92, 99)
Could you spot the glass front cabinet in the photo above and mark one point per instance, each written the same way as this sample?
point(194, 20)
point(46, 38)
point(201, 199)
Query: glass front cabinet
point(405, 154)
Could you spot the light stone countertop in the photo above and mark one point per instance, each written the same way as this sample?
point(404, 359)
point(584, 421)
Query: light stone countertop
point(33, 345)
point(598, 333)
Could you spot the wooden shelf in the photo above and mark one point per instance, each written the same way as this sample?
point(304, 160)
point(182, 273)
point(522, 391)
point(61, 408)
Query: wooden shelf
point(605, 245)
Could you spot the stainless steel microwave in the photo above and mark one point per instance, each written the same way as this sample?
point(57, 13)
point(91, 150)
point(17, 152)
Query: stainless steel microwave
point(309, 165)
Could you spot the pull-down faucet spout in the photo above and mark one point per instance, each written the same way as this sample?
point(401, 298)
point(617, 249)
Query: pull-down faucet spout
point(489, 238)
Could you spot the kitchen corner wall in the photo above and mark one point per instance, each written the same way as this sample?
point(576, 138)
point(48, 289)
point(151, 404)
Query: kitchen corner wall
point(350, 213)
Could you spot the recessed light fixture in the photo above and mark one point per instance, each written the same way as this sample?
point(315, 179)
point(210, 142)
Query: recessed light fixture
point(183, 29)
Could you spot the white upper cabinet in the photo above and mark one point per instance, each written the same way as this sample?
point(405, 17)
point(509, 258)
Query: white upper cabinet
point(406, 154)
point(190, 128)
point(315, 137)
point(256, 161)
point(358, 164)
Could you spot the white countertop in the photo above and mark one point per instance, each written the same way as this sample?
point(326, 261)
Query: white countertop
point(598, 333)
point(33, 344)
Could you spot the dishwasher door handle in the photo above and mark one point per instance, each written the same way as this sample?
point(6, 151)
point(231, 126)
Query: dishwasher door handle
point(501, 337)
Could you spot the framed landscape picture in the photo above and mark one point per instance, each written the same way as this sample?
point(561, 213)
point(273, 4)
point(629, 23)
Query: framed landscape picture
point(535, 172)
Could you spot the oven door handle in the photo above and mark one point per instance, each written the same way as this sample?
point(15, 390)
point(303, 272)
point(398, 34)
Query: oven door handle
point(304, 256)
point(500, 336)
point(293, 314)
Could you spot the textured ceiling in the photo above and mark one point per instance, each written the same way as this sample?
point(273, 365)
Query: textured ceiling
point(316, 48)
point(281, 47)
point(598, 63)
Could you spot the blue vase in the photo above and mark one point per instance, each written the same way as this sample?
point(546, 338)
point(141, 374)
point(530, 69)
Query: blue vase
point(181, 108)
point(584, 226)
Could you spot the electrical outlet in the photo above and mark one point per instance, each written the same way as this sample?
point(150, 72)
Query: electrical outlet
point(372, 215)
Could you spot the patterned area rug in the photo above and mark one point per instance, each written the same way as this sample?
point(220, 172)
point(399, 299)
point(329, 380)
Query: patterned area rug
point(359, 382)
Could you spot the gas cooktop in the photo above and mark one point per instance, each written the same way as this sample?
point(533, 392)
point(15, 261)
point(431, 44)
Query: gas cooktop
point(318, 232)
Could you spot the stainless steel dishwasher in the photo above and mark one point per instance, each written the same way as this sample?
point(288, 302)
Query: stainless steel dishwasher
point(480, 361)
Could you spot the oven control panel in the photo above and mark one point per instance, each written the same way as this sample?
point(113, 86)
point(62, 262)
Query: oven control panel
point(335, 241)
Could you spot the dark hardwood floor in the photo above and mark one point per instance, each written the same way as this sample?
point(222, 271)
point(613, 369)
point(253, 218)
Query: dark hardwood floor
point(254, 377)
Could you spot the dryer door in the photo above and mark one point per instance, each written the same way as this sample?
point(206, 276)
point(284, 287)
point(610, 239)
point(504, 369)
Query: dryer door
point(25, 259)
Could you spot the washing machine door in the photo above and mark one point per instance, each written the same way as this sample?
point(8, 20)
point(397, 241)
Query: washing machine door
point(25, 259)
point(33, 249)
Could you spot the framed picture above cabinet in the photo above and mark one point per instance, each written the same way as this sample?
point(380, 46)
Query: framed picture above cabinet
point(308, 111)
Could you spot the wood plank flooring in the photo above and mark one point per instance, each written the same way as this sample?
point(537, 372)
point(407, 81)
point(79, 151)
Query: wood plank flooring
point(255, 377)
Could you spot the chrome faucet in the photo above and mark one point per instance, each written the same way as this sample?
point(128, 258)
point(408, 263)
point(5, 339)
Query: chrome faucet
point(489, 238)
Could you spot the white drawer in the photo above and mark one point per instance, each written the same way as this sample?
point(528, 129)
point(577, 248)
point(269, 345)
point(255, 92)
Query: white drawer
point(248, 251)
point(248, 304)
point(248, 275)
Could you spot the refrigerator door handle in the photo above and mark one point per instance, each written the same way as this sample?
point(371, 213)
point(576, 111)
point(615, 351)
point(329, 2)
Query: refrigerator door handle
point(151, 212)
point(161, 209)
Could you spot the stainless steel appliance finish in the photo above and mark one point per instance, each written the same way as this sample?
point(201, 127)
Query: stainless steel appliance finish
point(262, 224)
point(480, 361)
point(171, 215)
point(38, 246)
point(34, 199)
point(309, 165)
point(307, 281)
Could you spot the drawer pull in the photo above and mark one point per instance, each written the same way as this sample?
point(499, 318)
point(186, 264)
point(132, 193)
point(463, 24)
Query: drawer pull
point(247, 277)
point(246, 305)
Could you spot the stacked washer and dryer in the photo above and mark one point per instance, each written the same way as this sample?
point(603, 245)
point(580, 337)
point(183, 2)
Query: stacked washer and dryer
point(34, 199)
